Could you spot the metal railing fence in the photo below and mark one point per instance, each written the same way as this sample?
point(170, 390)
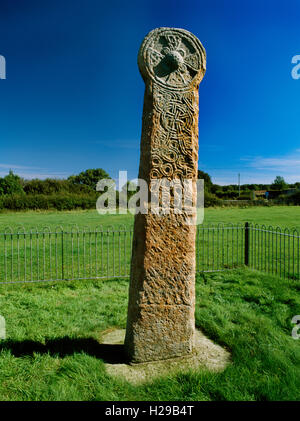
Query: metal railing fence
point(101, 253)
point(78, 253)
point(269, 249)
point(273, 250)
point(219, 246)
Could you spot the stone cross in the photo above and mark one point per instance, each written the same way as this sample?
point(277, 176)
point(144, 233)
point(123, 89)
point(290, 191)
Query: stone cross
point(160, 322)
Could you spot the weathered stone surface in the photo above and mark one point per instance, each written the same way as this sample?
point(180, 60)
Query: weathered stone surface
point(160, 321)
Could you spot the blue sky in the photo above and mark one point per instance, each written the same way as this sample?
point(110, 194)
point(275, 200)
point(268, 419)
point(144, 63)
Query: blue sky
point(73, 95)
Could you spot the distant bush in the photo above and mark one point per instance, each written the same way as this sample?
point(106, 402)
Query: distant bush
point(88, 178)
point(11, 184)
point(293, 199)
point(227, 195)
point(211, 200)
point(52, 186)
point(61, 194)
point(246, 203)
point(53, 201)
point(245, 195)
point(83, 183)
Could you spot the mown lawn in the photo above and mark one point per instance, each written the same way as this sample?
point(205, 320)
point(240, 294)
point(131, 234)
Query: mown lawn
point(52, 350)
point(284, 216)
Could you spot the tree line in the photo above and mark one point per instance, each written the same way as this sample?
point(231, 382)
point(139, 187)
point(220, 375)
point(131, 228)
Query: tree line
point(79, 191)
point(285, 193)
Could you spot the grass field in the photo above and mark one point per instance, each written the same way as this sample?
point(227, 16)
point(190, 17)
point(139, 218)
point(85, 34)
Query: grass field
point(284, 216)
point(52, 350)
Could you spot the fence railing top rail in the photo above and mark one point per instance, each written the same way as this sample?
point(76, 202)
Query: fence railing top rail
point(224, 227)
point(74, 229)
point(286, 232)
point(122, 228)
point(293, 232)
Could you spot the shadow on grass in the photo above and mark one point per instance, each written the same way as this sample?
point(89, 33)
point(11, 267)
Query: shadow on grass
point(112, 354)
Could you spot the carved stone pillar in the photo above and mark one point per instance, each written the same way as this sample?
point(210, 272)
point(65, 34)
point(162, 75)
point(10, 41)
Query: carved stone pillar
point(160, 321)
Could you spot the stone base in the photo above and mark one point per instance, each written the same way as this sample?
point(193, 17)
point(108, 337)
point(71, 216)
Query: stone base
point(206, 355)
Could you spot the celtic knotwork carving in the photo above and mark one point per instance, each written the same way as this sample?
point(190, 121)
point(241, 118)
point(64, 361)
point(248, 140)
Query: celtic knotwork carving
point(172, 151)
point(173, 58)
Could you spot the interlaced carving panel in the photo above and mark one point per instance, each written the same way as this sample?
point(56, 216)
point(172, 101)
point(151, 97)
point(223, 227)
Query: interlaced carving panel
point(174, 146)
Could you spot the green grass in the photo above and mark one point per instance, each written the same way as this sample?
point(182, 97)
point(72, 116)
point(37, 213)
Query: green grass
point(53, 329)
point(52, 351)
point(285, 216)
point(53, 219)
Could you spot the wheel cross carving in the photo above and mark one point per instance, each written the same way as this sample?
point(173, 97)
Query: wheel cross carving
point(172, 58)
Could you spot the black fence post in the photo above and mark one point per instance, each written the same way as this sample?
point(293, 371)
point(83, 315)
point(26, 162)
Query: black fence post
point(247, 243)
